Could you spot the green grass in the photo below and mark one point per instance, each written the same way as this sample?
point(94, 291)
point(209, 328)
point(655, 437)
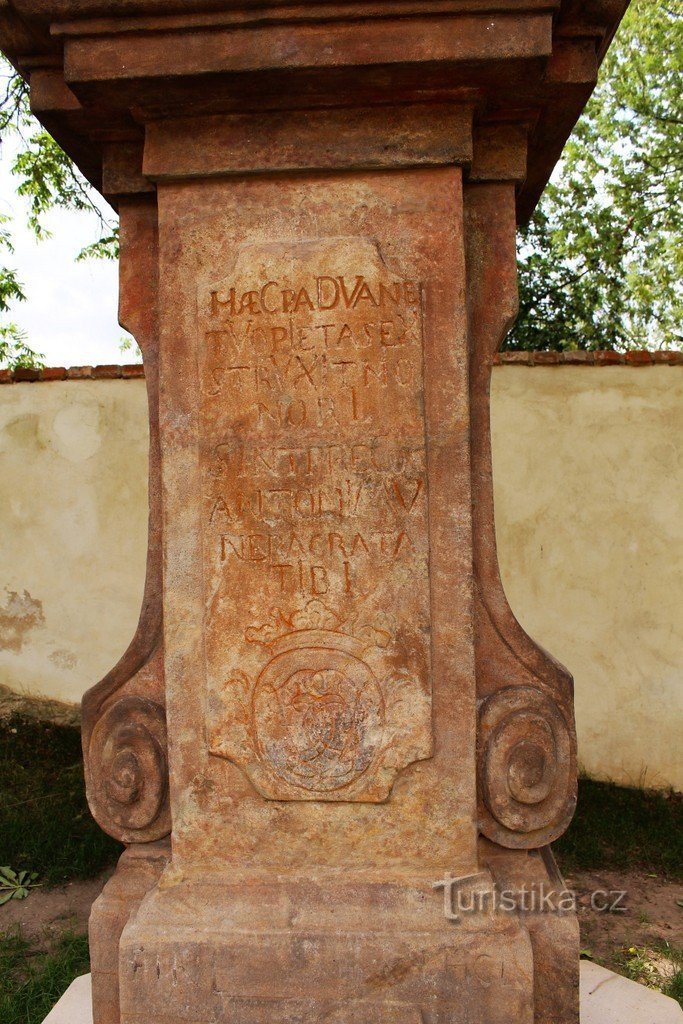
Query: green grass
point(45, 824)
point(674, 987)
point(33, 979)
point(620, 828)
point(659, 967)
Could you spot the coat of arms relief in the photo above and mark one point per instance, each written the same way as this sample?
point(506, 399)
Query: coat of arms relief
point(327, 717)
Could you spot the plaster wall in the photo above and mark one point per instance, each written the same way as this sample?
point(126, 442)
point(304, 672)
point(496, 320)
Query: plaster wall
point(589, 503)
point(73, 523)
point(588, 477)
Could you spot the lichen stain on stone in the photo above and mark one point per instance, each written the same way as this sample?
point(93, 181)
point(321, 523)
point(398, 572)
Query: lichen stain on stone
point(20, 614)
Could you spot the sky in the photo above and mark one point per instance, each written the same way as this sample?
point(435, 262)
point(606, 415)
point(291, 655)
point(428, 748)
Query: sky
point(70, 310)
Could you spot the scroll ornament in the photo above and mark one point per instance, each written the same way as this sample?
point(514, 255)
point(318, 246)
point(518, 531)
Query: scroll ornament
point(527, 768)
point(128, 771)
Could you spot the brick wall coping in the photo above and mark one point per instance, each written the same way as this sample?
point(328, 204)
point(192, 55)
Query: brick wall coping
point(131, 371)
point(28, 375)
point(600, 357)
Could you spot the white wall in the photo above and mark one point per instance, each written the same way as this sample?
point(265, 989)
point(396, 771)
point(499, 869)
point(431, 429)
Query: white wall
point(73, 523)
point(588, 476)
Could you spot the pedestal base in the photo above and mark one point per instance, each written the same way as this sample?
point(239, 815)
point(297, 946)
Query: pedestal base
point(303, 950)
point(263, 951)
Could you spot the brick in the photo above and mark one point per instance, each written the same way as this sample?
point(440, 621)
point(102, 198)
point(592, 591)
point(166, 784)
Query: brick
point(79, 373)
point(668, 357)
point(6, 377)
point(516, 357)
point(579, 358)
point(639, 358)
point(107, 371)
point(132, 370)
point(26, 374)
point(607, 357)
point(53, 373)
point(546, 358)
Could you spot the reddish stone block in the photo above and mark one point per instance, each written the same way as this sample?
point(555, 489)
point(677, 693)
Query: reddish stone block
point(520, 358)
point(607, 357)
point(668, 357)
point(639, 357)
point(546, 358)
point(107, 371)
point(578, 358)
point(26, 374)
point(54, 373)
point(131, 370)
point(6, 377)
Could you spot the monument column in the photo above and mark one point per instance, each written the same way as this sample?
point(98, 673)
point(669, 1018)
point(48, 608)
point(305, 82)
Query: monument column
point(330, 745)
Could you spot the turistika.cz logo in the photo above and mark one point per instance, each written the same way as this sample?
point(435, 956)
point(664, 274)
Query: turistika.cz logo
point(477, 894)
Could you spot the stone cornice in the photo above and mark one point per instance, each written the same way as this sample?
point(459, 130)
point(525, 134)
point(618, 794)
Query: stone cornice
point(97, 81)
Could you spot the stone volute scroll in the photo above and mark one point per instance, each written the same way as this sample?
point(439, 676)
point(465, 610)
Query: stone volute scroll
point(526, 744)
point(124, 719)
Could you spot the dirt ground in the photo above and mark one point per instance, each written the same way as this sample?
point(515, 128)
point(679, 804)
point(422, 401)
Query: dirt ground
point(47, 911)
point(651, 914)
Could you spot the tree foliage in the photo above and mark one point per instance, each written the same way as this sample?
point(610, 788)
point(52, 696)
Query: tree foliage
point(47, 179)
point(601, 261)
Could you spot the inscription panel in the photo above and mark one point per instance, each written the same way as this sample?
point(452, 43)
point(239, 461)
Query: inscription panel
point(315, 543)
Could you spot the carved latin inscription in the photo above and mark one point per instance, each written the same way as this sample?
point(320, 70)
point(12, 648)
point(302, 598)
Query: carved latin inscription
point(315, 509)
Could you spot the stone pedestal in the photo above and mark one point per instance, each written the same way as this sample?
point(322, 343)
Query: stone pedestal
point(328, 704)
